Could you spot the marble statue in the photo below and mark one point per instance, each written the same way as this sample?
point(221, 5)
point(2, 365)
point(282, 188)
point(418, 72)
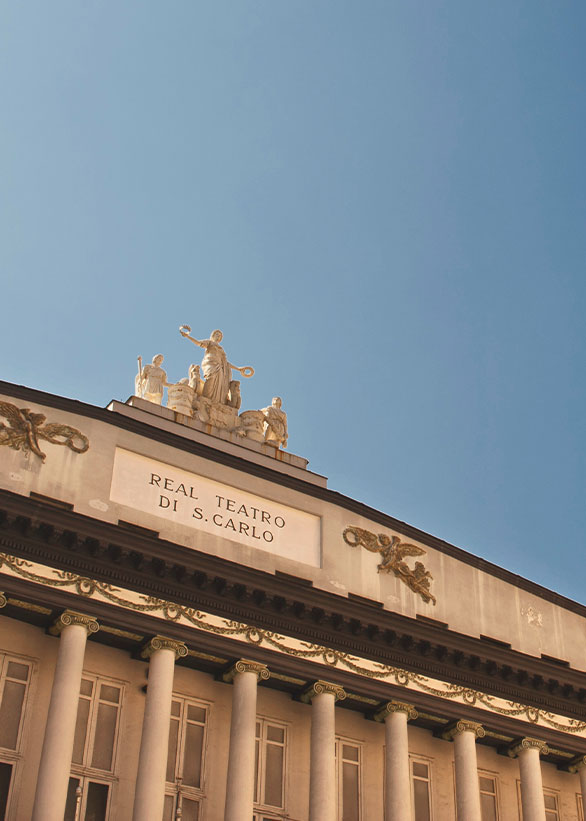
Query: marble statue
point(150, 380)
point(216, 369)
point(275, 424)
point(195, 380)
point(234, 398)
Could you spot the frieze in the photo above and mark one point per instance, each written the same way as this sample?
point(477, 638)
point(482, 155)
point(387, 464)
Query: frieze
point(272, 640)
point(26, 429)
point(392, 552)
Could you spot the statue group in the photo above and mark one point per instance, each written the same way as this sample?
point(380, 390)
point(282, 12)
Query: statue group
point(210, 395)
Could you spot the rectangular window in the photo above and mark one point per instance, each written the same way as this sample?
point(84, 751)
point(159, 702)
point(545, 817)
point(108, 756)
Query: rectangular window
point(185, 759)
point(488, 797)
point(550, 799)
point(94, 749)
point(14, 680)
point(421, 789)
point(269, 777)
point(580, 805)
point(348, 774)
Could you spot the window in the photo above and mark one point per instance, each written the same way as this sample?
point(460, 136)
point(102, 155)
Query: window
point(269, 778)
point(185, 759)
point(550, 799)
point(421, 789)
point(580, 805)
point(488, 797)
point(94, 750)
point(15, 675)
point(348, 759)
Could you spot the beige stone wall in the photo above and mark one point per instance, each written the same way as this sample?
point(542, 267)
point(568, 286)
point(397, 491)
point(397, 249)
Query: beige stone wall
point(33, 643)
point(468, 600)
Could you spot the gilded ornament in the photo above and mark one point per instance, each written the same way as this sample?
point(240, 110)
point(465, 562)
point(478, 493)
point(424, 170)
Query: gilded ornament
point(26, 428)
point(246, 666)
point(392, 553)
point(396, 707)
point(463, 726)
point(164, 643)
point(71, 617)
point(320, 687)
point(3, 600)
point(529, 743)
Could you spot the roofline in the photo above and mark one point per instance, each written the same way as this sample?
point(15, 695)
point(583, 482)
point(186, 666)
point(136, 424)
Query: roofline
point(325, 494)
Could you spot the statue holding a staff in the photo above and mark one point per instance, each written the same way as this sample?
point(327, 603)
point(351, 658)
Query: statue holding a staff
point(150, 380)
point(215, 367)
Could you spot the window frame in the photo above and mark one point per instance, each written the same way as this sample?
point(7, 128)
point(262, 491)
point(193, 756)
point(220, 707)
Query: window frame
point(177, 789)
point(359, 745)
point(261, 809)
point(421, 759)
point(494, 777)
point(14, 757)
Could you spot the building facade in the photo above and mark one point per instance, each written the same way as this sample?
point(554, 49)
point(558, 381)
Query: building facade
point(193, 626)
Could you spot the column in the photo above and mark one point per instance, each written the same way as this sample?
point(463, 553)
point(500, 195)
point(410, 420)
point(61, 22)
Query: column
point(149, 796)
point(528, 751)
point(240, 779)
point(579, 765)
point(464, 734)
point(395, 715)
point(53, 778)
point(322, 780)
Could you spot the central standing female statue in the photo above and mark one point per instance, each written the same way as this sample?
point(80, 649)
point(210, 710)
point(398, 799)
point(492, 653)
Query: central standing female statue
point(216, 369)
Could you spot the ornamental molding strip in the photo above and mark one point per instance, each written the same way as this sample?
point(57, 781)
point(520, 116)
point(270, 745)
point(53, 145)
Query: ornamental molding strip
point(71, 617)
point(464, 726)
point(392, 552)
point(396, 707)
point(164, 643)
point(245, 666)
point(320, 688)
point(25, 429)
point(90, 589)
point(529, 743)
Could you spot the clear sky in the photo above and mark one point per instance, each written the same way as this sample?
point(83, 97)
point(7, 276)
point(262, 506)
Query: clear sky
point(382, 205)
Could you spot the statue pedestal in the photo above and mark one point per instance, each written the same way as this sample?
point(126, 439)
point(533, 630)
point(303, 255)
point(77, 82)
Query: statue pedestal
point(180, 399)
point(252, 425)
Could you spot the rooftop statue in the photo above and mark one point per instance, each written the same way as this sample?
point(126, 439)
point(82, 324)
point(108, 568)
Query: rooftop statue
point(275, 424)
point(150, 380)
point(217, 371)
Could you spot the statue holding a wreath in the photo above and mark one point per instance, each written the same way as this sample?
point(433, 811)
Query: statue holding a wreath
point(216, 369)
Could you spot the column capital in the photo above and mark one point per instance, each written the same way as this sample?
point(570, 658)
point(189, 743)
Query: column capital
point(163, 643)
point(396, 707)
point(576, 764)
point(70, 617)
point(247, 666)
point(463, 726)
point(320, 687)
point(528, 743)
point(3, 600)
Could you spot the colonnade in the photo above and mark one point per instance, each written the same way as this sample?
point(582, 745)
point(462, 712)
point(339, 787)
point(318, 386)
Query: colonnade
point(54, 770)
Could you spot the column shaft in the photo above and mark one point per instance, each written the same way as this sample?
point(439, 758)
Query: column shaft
point(531, 785)
point(55, 766)
point(240, 782)
point(582, 772)
point(467, 785)
point(322, 783)
point(149, 797)
point(397, 780)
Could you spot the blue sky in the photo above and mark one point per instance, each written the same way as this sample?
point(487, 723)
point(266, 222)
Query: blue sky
point(382, 206)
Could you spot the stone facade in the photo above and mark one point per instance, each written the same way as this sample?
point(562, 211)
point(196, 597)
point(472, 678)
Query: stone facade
point(307, 657)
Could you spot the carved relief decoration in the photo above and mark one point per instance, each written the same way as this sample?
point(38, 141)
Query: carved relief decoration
point(392, 552)
point(288, 645)
point(26, 429)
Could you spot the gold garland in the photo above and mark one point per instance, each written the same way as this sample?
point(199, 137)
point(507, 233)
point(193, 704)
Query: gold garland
point(174, 612)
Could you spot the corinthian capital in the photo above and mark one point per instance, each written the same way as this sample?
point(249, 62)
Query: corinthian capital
point(70, 617)
point(164, 643)
point(463, 726)
point(321, 687)
point(529, 744)
point(245, 666)
point(396, 707)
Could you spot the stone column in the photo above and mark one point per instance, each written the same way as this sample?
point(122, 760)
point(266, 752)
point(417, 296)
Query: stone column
point(322, 781)
point(464, 734)
point(149, 796)
point(240, 779)
point(578, 765)
point(528, 751)
point(53, 778)
point(395, 715)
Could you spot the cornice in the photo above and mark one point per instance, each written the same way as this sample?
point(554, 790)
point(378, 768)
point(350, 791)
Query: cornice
point(333, 497)
point(68, 541)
